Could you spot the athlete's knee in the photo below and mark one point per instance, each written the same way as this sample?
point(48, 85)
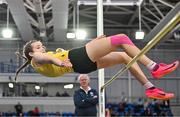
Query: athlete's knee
point(120, 39)
point(121, 34)
point(126, 58)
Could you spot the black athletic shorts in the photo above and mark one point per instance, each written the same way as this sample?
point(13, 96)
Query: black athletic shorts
point(80, 60)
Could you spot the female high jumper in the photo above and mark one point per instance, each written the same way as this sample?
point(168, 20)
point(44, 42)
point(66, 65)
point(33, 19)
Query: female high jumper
point(96, 54)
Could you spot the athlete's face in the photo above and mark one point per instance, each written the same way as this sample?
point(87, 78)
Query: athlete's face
point(38, 47)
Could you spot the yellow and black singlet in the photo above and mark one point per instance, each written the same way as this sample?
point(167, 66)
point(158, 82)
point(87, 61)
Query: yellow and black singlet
point(52, 70)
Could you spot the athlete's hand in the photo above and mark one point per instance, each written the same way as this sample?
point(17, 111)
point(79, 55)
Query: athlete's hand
point(66, 63)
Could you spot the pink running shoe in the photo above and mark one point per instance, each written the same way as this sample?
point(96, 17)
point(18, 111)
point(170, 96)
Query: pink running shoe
point(164, 69)
point(157, 93)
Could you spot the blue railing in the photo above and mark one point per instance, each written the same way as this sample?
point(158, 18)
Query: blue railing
point(41, 114)
point(7, 67)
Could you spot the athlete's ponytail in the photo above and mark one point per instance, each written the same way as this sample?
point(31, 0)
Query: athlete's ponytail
point(22, 66)
point(26, 50)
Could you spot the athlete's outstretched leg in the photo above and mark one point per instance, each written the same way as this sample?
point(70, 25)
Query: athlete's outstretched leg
point(114, 58)
point(157, 70)
point(99, 48)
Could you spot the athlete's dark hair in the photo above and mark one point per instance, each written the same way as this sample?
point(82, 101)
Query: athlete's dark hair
point(26, 50)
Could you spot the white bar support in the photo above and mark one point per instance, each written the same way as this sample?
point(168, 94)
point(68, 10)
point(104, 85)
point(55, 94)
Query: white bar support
point(129, 87)
point(100, 31)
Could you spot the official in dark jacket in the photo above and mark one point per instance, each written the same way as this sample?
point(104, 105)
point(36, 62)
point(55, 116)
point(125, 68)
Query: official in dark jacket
point(85, 98)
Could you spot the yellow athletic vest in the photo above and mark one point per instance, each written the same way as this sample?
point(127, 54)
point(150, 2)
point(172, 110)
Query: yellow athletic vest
point(52, 70)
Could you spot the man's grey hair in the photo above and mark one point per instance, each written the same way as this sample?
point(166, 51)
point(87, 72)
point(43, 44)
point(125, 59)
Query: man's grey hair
point(84, 76)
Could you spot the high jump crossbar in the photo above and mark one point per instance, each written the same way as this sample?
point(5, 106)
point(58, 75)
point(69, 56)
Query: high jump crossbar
point(167, 28)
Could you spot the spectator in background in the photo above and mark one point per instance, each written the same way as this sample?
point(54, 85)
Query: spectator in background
point(85, 98)
point(58, 94)
point(167, 108)
point(19, 109)
point(36, 111)
point(11, 61)
point(3, 94)
point(107, 112)
point(65, 94)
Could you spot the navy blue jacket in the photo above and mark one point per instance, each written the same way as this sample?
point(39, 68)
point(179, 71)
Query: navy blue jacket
point(85, 104)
